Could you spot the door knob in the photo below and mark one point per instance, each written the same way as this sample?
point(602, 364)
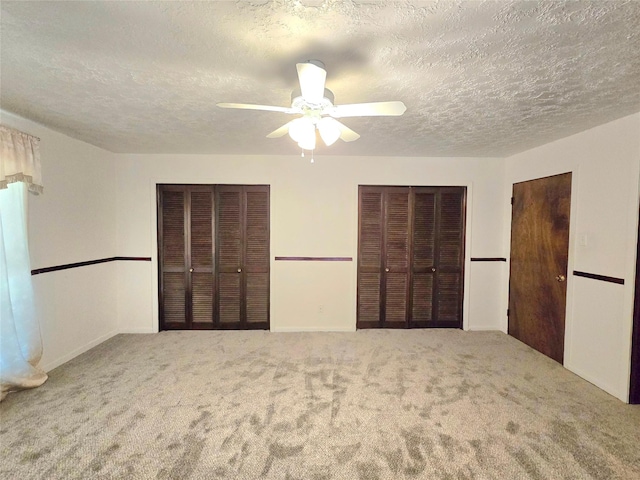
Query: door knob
point(433, 269)
point(191, 269)
point(239, 270)
point(561, 278)
point(386, 269)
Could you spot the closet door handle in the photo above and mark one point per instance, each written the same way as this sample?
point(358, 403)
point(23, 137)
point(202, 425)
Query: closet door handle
point(386, 269)
point(239, 270)
point(191, 270)
point(433, 269)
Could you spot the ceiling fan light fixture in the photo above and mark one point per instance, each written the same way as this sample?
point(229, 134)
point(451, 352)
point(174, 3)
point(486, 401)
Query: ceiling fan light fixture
point(329, 130)
point(301, 129)
point(308, 143)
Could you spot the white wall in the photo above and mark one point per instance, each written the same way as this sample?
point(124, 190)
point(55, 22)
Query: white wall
point(98, 204)
point(313, 213)
point(605, 162)
point(73, 221)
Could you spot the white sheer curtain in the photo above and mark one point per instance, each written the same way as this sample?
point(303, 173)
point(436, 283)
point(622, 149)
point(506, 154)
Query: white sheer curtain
point(20, 340)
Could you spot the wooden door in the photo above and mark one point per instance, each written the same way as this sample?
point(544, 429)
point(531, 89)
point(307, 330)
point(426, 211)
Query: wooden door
point(449, 286)
point(229, 246)
point(370, 259)
point(437, 266)
point(173, 257)
point(383, 260)
point(423, 265)
point(201, 278)
point(410, 256)
point(539, 257)
point(256, 257)
point(243, 256)
point(213, 244)
point(634, 386)
point(395, 267)
point(185, 241)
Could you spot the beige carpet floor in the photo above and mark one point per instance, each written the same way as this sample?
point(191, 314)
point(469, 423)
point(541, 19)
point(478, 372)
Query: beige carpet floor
point(374, 404)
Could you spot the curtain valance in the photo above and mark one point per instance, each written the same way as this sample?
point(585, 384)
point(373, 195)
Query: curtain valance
point(20, 159)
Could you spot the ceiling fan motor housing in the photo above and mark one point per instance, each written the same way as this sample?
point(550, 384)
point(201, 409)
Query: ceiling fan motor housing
point(308, 108)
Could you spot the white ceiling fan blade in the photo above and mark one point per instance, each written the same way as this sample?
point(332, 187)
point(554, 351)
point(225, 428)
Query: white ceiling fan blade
point(248, 106)
point(279, 132)
point(374, 109)
point(312, 77)
point(346, 134)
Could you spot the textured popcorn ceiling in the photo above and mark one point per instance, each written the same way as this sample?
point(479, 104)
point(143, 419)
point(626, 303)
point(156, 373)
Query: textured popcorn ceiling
point(479, 78)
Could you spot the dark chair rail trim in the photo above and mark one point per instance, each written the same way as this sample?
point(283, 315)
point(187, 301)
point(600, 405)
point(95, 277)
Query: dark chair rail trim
point(316, 259)
point(488, 259)
point(604, 278)
point(38, 271)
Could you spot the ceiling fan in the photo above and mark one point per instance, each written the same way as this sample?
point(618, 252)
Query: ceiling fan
point(314, 103)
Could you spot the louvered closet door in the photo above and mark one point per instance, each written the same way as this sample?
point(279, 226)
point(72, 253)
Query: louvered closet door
point(243, 256)
point(213, 243)
point(370, 249)
point(383, 257)
point(172, 203)
point(230, 233)
point(450, 257)
point(256, 256)
point(423, 263)
point(396, 257)
point(201, 234)
point(410, 256)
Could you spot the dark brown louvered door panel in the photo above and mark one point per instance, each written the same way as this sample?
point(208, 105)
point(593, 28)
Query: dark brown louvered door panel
point(450, 257)
point(410, 256)
point(423, 264)
point(243, 256)
point(201, 234)
point(370, 237)
point(229, 248)
point(256, 256)
point(395, 283)
point(172, 202)
point(213, 244)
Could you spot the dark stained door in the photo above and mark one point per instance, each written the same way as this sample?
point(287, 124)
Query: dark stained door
point(450, 257)
point(634, 387)
point(256, 257)
point(538, 269)
point(395, 271)
point(173, 257)
point(370, 238)
point(243, 256)
point(438, 256)
point(229, 255)
point(410, 257)
point(213, 242)
point(200, 221)
point(383, 261)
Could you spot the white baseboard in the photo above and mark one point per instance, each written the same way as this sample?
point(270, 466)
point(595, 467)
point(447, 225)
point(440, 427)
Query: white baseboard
point(137, 330)
point(484, 328)
point(623, 396)
point(312, 329)
point(65, 358)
